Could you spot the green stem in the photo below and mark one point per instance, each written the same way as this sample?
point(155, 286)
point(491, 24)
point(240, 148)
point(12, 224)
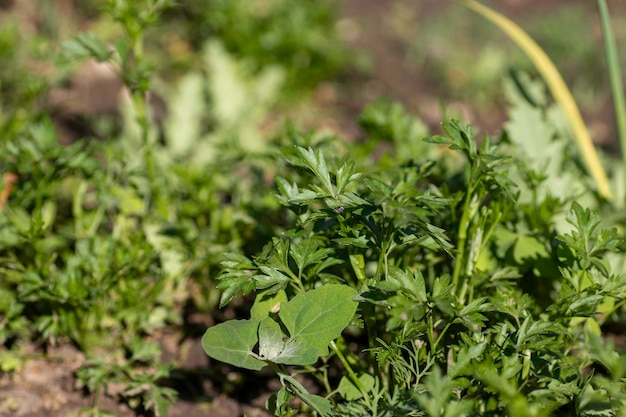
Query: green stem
point(615, 76)
point(353, 377)
point(462, 238)
point(442, 334)
point(369, 315)
point(430, 334)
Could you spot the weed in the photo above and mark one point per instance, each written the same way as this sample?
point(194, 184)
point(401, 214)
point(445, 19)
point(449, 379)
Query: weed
point(437, 264)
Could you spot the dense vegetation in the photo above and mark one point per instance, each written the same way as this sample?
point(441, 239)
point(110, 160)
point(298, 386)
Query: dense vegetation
point(404, 273)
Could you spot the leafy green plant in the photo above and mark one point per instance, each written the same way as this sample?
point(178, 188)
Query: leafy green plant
point(438, 261)
point(391, 276)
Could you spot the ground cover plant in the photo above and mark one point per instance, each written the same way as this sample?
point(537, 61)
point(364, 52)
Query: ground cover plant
point(403, 273)
point(472, 298)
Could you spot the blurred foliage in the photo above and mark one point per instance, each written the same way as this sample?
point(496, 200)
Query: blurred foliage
point(567, 34)
point(299, 37)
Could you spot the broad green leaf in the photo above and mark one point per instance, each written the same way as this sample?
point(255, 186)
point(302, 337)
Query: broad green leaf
point(296, 352)
point(264, 304)
point(319, 316)
point(232, 342)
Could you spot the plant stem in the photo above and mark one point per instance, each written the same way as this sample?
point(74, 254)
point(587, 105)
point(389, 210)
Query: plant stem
point(615, 76)
point(462, 238)
point(353, 377)
point(558, 88)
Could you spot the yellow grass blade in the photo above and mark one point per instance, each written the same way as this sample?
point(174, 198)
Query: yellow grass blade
point(557, 87)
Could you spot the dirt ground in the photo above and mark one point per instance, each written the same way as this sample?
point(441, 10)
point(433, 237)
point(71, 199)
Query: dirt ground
point(45, 386)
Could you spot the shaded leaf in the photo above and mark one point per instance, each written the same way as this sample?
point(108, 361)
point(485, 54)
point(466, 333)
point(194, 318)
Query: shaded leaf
point(232, 342)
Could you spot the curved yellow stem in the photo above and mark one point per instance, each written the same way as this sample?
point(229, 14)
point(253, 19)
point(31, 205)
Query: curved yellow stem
point(558, 88)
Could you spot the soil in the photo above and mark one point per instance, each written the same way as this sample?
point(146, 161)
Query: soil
point(45, 385)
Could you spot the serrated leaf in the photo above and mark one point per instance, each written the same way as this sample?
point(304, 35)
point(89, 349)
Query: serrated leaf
point(304, 197)
point(476, 306)
point(585, 305)
point(346, 175)
point(412, 284)
point(87, 45)
point(233, 283)
point(358, 242)
point(272, 278)
point(463, 360)
point(317, 164)
point(307, 252)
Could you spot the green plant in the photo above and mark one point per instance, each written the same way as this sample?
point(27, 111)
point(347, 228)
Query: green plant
point(391, 276)
point(470, 300)
point(300, 41)
point(103, 243)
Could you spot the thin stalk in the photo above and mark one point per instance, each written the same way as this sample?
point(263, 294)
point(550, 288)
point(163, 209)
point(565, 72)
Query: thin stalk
point(353, 377)
point(558, 88)
point(442, 334)
point(430, 334)
point(617, 87)
point(461, 240)
point(369, 316)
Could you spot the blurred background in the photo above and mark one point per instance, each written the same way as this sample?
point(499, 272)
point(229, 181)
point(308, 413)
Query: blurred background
point(436, 57)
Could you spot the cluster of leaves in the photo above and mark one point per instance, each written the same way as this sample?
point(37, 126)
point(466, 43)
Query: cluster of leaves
point(472, 297)
point(468, 281)
point(102, 243)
